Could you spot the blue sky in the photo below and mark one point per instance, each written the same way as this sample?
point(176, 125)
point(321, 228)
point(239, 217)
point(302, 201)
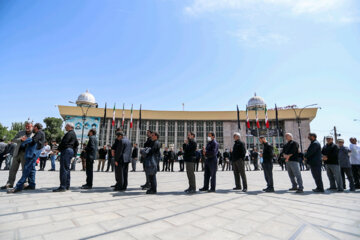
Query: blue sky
point(209, 54)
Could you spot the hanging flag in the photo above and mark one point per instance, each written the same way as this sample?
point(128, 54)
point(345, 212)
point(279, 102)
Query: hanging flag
point(113, 120)
point(277, 118)
point(131, 117)
point(257, 119)
point(266, 118)
point(238, 117)
point(140, 118)
point(123, 116)
point(247, 118)
point(104, 119)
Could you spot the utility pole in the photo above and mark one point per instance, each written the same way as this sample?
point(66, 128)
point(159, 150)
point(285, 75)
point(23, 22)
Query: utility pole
point(336, 134)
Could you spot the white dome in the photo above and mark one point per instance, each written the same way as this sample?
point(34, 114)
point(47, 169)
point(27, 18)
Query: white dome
point(256, 102)
point(86, 98)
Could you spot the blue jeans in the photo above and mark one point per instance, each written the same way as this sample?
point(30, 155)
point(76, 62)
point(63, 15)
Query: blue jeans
point(29, 171)
point(65, 160)
point(53, 158)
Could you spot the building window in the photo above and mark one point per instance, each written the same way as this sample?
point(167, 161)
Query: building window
point(220, 134)
point(152, 126)
point(180, 134)
point(161, 129)
point(209, 127)
point(190, 126)
point(200, 134)
point(171, 133)
point(142, 136)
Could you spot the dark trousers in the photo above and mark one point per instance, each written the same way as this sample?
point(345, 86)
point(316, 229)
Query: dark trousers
point(349, 176)
point(316, 173)
point(147, 183)
point(165, 165)
point(356, 175)
point(210, 172)
point(197, 166)
point(181, 165)
point(171, 166)
point(121, 175)
point(268, 174)
point(256, 166)
point(239, 171)
point(43, 162)
point(190, 168)
point(89, 172)
point(110, 163)
point(153, 183)
point(65, 160)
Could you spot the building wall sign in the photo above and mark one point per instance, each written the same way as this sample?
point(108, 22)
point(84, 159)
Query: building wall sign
point(90, 122)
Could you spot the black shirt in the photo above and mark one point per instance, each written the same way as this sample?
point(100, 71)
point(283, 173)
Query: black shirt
point(332, 153)
point(238, 152)
point(189, 151)
point(291, 147)
point(134, 153)
point(268, 153)
point(69, 141)
point(102, 153)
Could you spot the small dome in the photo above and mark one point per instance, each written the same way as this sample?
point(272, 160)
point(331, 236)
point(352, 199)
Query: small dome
point(256, 102)
point(86, 98)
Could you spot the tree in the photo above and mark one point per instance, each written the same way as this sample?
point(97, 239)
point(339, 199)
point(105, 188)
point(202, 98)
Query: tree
point(3, 131)
point(53, 129)
point(17, 126)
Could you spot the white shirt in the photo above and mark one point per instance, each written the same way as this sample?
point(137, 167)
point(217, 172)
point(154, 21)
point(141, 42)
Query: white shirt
point(45, 151)
point(355, 154)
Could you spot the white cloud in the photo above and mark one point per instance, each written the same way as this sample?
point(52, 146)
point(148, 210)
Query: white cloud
point(255, 38)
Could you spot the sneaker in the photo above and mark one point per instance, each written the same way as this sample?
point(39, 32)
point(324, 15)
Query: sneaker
point(29, 188)
point(59, 190)
point(203, 189)
point(293, 189)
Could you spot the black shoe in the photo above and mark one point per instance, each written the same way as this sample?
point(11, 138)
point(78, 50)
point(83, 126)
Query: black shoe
point(29, 188)
point(113, 186)
point(293, 189)
point(59, 190)
point(265, 189)
point(203, 189)
point(6, 186)
point(211, 190)
point(237, 188)
point(187, 190)
point(270, 190)
point(352, 189)
point(331, 189)
point(51, 170)
point(318, 190)
point(340, 190)
point(244, 190)
point(13, 190)
point(116, 189)
point(299, 191)
point(150, 192)
point(86, 187)
point(122, 189)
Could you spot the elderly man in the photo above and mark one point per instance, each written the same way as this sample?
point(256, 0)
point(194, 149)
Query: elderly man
point(121, 151)
point(355, 161)
point(237, 161)
point(331, 159)
point(291, 155)
point(267, 155)
point(33, 147)
point(19, 154)
point(345, 166)
point(68, 148)
point(91, 150)
point(313, 159)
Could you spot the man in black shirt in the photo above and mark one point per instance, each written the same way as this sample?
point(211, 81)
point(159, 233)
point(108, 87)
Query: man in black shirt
point(68, 148)
point(146, 145)
point(290, 152)
point(134, 156)
point(166, 155)
point(237, 160)
point(254, 158)
point(190, 158)
point(267, 155)
point(330, 156)
point(91, 150)
point(151, 161)
point(102, 157)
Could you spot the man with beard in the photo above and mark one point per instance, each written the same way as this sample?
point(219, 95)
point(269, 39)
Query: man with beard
point(33, 146)
point(267, 156)
point(190, 158)
point(331, 159)
point(313, 159)
point(237, 161)
point(91, 150)
point(19, 154)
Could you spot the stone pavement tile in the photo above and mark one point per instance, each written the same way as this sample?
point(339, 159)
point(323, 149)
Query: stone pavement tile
point(115, 236)
point(34, 231)
point(242, 226)
point(310, 233)
point(156, 214)
point(96, 218)
point(260, 216)
point(219, 234)
point(75, 233)
point(257, 236)
point(11, 217)
point(287, 219)
point(211, 223)
point(207, 211)
point(133, 211)
point(277, 230)
point(182, 219)
point(148, 230)
point(233, 214)
point(14, 225)
point(184, 207)
point(346, 228)
point(315, 221)
point(47, 212)
point(184, 232)
point(33, 207)
point(249, 207)
point(71, 215)
point(331, 218)
point(122, 223)
point(8, 234)
point(111, 208)
point(340, 235)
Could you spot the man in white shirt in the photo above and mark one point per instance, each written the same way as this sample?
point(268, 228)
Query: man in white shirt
point(355, 161)
point(44, 155)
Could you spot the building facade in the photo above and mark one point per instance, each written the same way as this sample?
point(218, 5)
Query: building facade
point(173, 126)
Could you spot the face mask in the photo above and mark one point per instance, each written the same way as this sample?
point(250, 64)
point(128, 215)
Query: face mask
point(209, 139)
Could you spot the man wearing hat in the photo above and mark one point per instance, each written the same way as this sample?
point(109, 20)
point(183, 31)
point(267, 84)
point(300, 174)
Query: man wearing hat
point(313, 159)
point(331, 159)
point(345, 166)
point(33, 147)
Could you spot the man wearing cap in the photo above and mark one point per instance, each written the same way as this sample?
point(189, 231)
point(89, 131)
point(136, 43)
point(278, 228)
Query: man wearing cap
point(33, 147)
point(267, 155)
point(237, 161)
point(331, 159)
point(291, 155)
point(313, 159)
point(19, 154)
point(345, 166)
point(355, 161)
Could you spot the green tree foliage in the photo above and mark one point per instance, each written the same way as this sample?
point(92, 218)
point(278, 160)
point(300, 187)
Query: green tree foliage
point(3, 131)
point(6, 134)
point(53, 129)
point(17, 126)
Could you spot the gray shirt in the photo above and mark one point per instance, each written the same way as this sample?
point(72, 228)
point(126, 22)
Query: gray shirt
point(344, 160)
point(17, 140)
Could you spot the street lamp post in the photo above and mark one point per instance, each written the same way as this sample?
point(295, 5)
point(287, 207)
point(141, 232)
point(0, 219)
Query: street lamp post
point(298, 120)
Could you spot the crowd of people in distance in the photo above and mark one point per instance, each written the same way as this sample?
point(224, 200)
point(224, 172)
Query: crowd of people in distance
point(30, 149)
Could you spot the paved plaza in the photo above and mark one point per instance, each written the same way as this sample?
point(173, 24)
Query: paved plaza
point(101, 213)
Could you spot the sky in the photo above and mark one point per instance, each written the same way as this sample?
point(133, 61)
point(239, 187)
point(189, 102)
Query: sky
point(208, 54)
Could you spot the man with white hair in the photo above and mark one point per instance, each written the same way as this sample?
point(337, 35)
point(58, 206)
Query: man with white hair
point(237, 160)
point(68, 148)
point(291, 154)
point(355, 161)
point(331, 159)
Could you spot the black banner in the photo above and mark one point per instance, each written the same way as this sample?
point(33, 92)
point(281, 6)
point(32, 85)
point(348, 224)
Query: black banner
point(264, 132)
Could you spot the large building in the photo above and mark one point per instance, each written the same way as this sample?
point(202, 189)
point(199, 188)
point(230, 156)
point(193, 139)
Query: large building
point(174, 125)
